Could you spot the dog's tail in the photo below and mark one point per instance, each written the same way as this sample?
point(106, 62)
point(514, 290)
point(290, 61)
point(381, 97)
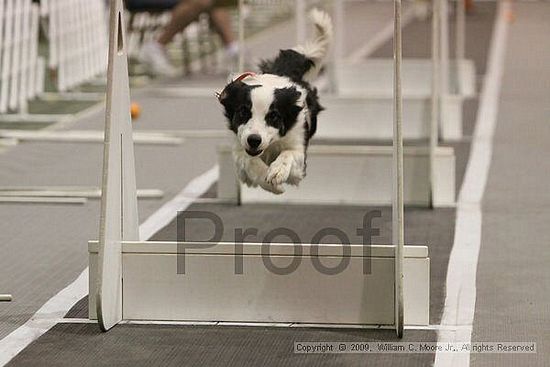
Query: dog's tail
point(303, 62)
point(317, 49)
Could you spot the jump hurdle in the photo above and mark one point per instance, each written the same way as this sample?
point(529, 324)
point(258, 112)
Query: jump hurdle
point(339, 171)
point(372, 79)
point(340, 139)
point(352, 175)
point(395, 292)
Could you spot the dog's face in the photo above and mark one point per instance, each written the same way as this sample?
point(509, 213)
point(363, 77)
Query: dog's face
point(260, 113)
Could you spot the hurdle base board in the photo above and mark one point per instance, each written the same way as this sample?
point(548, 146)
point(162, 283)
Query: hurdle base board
point(352, 175)
point(370, 117)
point(375, 75)
point(6, 298)
point(33, 118)
point(152, 289)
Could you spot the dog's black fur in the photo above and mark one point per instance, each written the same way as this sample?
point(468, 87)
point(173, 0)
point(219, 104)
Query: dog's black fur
point(294, 66)
point(237, 103)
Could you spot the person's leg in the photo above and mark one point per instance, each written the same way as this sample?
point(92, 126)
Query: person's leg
point(153, 53)
point(183, 14)
point(221, 21)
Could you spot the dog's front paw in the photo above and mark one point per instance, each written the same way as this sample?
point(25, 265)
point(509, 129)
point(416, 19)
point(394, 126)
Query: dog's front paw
point(275, 189)
point(278, 173)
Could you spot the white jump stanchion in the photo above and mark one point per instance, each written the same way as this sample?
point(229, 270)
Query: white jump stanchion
point(398, 234)
point(436, 97)
point(155, 289)
point(119, 216)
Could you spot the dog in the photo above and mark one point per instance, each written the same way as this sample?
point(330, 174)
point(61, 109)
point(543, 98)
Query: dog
point(274, 113)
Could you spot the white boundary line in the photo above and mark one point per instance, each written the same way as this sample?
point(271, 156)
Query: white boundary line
point(461, 274)
point(168, 211)
point(55, 309)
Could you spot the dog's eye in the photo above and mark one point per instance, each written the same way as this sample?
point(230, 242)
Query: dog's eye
point(273, 117)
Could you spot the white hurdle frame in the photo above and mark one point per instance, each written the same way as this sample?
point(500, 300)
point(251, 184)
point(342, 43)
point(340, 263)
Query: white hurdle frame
point(366, 80)
point(113, 256)
point(440, 183)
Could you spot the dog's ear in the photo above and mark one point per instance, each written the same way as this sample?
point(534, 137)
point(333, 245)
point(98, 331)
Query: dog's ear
point(235, 95)
point(224, 95)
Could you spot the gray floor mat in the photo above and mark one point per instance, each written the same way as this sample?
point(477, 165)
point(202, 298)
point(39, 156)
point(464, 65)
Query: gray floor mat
point(131, 345)
point(513, 280)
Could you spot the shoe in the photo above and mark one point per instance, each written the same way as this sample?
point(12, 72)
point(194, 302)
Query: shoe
point(154, 56)
point(230, 58)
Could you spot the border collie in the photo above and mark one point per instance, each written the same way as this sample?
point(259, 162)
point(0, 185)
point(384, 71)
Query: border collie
point(274, 114)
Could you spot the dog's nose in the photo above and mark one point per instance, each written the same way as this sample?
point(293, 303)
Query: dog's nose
point(254, 140)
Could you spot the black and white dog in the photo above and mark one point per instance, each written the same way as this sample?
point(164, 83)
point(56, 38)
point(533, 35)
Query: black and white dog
point(274, 114)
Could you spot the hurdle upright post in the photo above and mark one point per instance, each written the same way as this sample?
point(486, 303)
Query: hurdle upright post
point(241, 37)
point(435, 113)
point(300, 14)
point(119, 215)
point(444, 50)
point(460, 41)
point(337, 51)
point(398, 233)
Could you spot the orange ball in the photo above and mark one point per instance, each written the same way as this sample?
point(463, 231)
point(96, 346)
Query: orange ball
point(135, 110)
